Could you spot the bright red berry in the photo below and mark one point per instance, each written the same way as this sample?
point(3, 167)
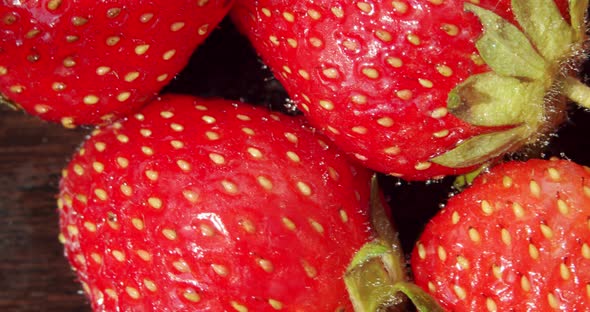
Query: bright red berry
point(421, 89)
point(518, 239)
point(90, 62)
point(212, 205)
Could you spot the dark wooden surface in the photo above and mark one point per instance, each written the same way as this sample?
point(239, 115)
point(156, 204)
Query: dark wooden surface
point(34, 275)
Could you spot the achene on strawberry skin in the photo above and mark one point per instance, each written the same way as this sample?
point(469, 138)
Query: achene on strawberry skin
point(212, 205)
point(91, 62)
point(422, 89)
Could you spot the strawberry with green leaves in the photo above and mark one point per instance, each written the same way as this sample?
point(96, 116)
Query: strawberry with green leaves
point(91, 62)
point(212, 205)
point(517, 239)
point(420, 89)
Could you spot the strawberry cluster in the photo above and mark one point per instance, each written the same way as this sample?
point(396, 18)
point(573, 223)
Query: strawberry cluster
point(184, 203)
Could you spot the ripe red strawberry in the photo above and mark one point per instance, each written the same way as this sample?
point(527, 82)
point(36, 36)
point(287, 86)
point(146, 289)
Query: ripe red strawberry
point(211, 205)
point(89, 62)
point(421, 89)
point(518, 239)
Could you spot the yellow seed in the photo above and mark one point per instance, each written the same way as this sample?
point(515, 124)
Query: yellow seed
point(506, 181)
point(460, 292)
point(491, 305)
point(463, 262)
point(404, 94)
point(220, 270)
point(238, 307)
point(155, 202)
point(562, 206)
point(119, 255)
point(486, 208)
point(304, 188)
point(132, 292)
point(169, 234)
point(421, 251)
point(546, 230)
point(442, 253)
point(169, 54)
point(364, 6)
point(150, 285)
point(425, 83)
point(506, 238)
point(422, 165)
point(181, 266)
point(450, 29)
point(90, 99)
point(518, 210)
point(141, 49)
point(553, 303)
point(144, 255)
point(564, 271)
point(137, 223)
point(191, 295)
point(533, 251)
point(131, 76)
point(289, 17)
point(444, 70)
point(535, 188)
point(413, 39)
point(229, 187)
point(370, 72)
point(525, 284)
point(385, 121)
point(383, 35)
point(265, 265)
point(474, 235)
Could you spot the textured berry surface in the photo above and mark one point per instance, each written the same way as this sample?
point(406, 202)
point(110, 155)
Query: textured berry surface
point(212, 205)
point(375, 76)
point(89, 62)
point(516, 240)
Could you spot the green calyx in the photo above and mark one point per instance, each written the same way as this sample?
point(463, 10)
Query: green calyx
point(526, 61)
point(376, 277)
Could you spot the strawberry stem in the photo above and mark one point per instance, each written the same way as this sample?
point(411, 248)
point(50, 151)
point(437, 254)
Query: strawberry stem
point(577, 91)
point(376, 277)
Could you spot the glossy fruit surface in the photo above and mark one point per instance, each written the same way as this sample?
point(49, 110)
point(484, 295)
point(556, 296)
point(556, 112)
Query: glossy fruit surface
point(419, 89)
point(516, 240)
point(91, 62)
point(212, 205)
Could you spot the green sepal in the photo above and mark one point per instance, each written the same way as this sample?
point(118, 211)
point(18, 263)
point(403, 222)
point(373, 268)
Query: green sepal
point(578, 11)
point(370, 276)
point(577, 91)
point(543, 23)
point(481, 148)
point(492, 100)
point(463, 181)
point(505, 48)
point(421, 300)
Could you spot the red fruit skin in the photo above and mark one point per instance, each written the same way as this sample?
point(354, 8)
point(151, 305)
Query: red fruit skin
point(522, 252)
point(91, 62)
point(374, 76)
point(249, 209)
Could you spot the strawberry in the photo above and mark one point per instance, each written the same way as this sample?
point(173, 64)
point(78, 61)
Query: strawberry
point(212, 205)
point(90, 62)
point(517, 239)
point(423, 89)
